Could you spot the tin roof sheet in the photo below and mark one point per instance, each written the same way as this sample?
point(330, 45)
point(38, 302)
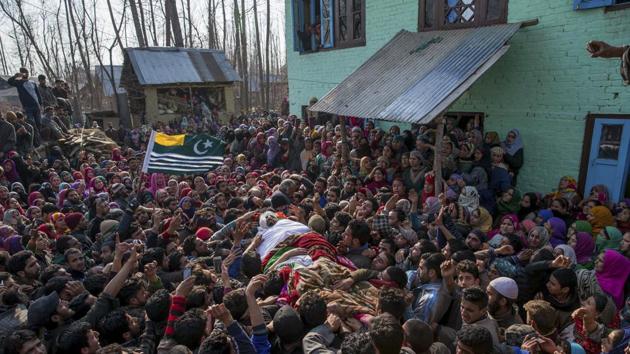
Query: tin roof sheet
point(416, 76)
point(164, 66)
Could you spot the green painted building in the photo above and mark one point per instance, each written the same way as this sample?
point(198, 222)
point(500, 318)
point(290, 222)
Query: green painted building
point(546, 85)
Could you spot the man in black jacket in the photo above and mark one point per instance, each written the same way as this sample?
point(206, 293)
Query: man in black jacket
point(30, 98)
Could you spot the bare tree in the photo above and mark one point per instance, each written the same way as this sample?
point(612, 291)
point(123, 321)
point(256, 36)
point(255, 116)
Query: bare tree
point(143, 22)
point(267, 59)
point(18, 45)
point(173, 18)
point(136, 23)
point(3, 58)
point(190, 24)
point(83, 52)
point(261, 74)
point(224, 25)
point(153, 27)
point(20, 20)
point(244, 68)
point(211, 25)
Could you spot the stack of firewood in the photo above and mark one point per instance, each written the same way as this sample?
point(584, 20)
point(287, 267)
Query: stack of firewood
point(91, 140)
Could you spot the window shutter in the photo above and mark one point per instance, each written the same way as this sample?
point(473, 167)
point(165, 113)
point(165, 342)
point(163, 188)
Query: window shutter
point(299, 23)
point(296, 25)
point(327, 28)
point(591, 4)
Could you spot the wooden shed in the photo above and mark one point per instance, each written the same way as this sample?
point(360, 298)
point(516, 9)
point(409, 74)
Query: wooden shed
point(164, 84)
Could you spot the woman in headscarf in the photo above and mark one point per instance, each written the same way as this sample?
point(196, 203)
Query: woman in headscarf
point(324, 156)
point(172, 188)
point(513, 147)
point(558, 231)
point(543, 216)
point(606, 281)
point(529, 206)
point(481, 219)
point(187, 206)
point(599, 217)
point(509, 203)
point(157, 182)
point(34, 214)
point(364, 167)
point(509, 226)
point(609, 238)
point(13, 244)
point(491, 140)
point(88, 174)
point(12, 218)
point(10, 171)
point(273, 148)
point(500, 179)
point(413, 177)
point(116, 154)
point(538, 238)
point(431, 206)
point(567, 189)
point(611, 273)
point(258, 149)
point(97, 185)
point(428, 190)
point(376, 180)
point(583, 245)
point(34, 196)
point(58, 220)
point(567, 251)
point(469, 199)
point(18, 188)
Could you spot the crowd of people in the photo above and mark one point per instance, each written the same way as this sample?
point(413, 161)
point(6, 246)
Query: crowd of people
point(312, 237)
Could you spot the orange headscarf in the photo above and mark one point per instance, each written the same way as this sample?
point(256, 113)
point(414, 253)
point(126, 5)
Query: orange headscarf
point(601, 217)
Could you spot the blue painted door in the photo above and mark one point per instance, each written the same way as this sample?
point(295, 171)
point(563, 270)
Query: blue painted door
point(609, 160)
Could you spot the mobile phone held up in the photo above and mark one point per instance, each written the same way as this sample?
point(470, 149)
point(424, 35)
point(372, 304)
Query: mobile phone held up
point(187, 273)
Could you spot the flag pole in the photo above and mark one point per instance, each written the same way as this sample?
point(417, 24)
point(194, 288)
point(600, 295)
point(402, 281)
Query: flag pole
point(145, 163)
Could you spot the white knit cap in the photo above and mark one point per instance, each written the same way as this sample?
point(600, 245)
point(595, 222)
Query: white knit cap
point(506, 287)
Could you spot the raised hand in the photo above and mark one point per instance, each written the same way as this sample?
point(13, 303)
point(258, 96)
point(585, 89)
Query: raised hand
point(221, 313)
point(447, 268)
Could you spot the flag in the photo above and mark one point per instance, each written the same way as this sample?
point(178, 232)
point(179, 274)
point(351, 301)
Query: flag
point(182, 154)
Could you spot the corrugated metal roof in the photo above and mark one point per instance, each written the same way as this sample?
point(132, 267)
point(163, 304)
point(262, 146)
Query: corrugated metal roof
point(416, 76)
point(162, 66)
point(102, 74)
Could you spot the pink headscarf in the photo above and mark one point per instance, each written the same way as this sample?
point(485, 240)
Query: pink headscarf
point(325, 146)
point(34, 196)
point(514, 220)
point(612, 278)
point(156, 184)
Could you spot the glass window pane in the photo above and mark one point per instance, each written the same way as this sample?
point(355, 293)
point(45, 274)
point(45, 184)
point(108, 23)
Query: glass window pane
point(343, 29)
point(356, 5)
point(610, 142)
point(356, 34)
point(343, 8)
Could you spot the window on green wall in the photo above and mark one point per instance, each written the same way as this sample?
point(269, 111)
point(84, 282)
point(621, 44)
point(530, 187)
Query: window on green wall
point(454, 14)
point(327, 24)
point(592, 4)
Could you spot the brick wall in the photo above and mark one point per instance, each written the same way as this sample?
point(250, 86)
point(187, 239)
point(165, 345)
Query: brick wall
point(545, 85)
